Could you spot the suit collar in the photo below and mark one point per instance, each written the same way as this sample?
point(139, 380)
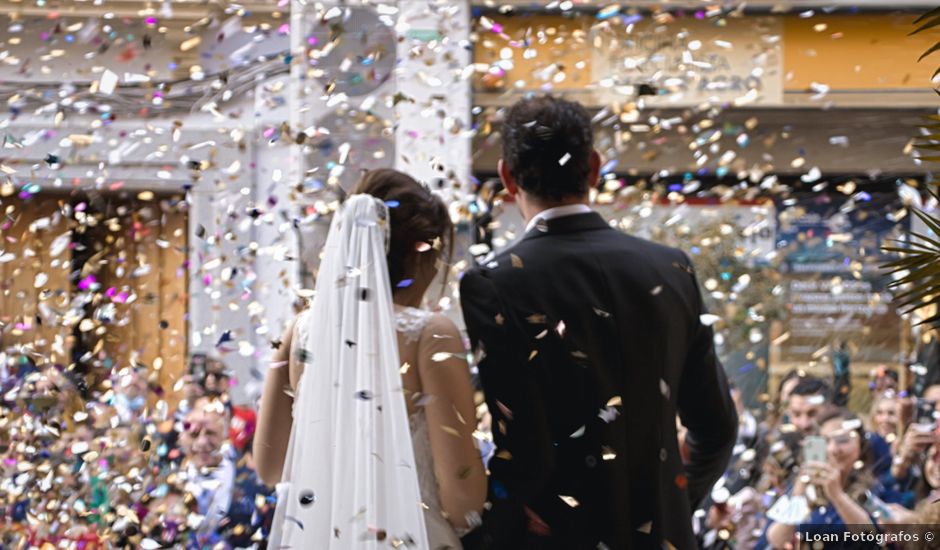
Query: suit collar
point(589, 221)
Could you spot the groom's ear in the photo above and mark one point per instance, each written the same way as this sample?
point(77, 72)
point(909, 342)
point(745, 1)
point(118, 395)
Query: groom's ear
point(505, 176)
point(594, 168)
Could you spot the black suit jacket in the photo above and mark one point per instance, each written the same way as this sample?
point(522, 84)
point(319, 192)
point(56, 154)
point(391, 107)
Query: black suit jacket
point(591, 343)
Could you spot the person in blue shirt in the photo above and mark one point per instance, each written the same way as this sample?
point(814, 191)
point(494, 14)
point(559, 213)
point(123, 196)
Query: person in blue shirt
point(841, 491)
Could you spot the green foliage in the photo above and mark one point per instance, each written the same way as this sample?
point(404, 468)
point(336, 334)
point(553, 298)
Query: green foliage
point(917, 268)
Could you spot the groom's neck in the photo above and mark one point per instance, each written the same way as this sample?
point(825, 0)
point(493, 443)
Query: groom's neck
point(531, 206)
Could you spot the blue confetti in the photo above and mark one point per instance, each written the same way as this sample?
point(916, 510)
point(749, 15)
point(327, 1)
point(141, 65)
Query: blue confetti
point(405, 283)
point(226, 337)
point(391, 204)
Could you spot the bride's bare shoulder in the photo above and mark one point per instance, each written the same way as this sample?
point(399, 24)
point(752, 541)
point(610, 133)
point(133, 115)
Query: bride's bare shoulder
point(439, 322)
point(440, 333)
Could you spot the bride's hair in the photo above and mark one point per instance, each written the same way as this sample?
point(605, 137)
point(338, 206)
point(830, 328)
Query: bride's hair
point(421, 230)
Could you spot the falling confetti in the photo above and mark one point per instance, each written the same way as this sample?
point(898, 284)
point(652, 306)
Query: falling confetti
point(307, 498)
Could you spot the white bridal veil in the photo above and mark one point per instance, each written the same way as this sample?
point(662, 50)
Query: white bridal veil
point(349, 477)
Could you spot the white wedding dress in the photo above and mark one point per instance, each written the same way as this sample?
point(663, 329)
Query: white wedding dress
point(358, 473)
point(410, 322)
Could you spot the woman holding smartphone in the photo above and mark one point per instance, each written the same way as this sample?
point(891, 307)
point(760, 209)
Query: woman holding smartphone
point(837, 491)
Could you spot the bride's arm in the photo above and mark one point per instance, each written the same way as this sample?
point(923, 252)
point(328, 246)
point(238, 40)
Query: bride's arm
point(451, 418)
point(274, 417)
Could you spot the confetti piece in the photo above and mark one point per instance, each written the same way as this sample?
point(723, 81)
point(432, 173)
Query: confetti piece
point(681, 481)
point(516, 261)
point(451, 431)
point(646, 528)
point(578, 433)
point(307, 498)
point(190, 43)
point(564, 159)
point(296, 521)
point(708, 319)
point(404, 283)
point(507, 412)
point(441, 356)
point(108, 82)
point(614, 401)
point(570, 501)
point(608, 414)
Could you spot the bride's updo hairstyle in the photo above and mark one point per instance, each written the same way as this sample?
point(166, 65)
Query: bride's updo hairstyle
point(421, 231)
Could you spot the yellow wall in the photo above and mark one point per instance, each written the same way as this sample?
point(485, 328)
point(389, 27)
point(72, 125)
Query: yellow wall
point(851, 52)
point(856, 52)
point(161, 292)
point(563, 42)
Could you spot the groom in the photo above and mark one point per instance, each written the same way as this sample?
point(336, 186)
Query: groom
point(591, 344)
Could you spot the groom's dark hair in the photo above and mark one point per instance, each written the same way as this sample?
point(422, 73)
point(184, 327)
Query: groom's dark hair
point(547, 145)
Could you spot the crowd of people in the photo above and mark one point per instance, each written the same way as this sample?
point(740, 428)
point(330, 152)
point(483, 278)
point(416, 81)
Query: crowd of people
point(121, 472)
point(877, 469)
point(125, 469)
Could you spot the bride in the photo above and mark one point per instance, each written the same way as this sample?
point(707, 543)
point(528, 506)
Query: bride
point(366, 420)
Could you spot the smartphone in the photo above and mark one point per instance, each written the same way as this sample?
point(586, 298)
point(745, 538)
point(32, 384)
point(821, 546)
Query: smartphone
point(876, 507)
point(814, 449)
point(925, 415)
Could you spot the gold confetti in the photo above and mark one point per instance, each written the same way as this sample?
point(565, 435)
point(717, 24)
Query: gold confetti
point(536, 318)
point(190, 43)
point(516, 261)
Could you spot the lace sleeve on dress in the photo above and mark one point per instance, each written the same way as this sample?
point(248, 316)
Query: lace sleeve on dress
point(410, 322)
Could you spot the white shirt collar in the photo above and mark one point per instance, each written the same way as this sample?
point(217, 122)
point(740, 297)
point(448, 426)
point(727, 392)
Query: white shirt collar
point(557, 212)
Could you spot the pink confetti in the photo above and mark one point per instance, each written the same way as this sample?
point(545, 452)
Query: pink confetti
point(87, 282)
